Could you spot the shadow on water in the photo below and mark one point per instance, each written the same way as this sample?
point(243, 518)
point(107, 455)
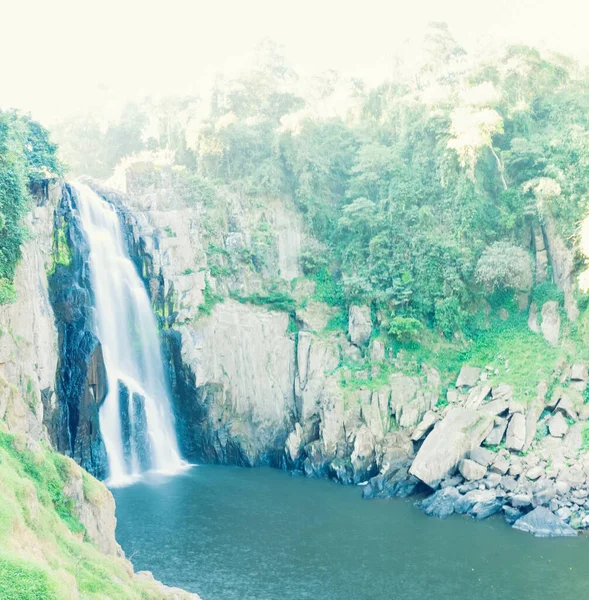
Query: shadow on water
point(260, 534)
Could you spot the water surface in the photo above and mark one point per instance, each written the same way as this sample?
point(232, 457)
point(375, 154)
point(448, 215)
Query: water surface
point(260, 534)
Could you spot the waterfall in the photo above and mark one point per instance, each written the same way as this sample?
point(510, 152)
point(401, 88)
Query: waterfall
point(136, 421)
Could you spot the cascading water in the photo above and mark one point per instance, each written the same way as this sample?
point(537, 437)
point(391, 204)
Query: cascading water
point(136, 421)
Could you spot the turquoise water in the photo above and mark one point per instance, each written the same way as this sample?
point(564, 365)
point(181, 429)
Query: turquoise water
point(260, 534)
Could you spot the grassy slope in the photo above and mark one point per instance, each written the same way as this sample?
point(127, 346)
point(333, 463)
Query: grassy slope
point(44, 551)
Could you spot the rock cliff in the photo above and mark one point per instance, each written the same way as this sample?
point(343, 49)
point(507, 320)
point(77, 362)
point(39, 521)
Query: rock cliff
point(49, 504)
point(264, 371)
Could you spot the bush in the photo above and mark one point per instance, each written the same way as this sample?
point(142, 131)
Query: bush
point(405, 329)
point(503, 265)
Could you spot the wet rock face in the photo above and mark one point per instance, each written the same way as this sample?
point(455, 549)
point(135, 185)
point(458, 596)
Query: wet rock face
point(72, 422)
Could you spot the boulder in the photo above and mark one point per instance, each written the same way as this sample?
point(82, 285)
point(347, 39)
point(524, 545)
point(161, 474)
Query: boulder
point(500, 466)
point(579, 372)
point(557, 425)
point(533, 414)
point(567, 407)
point(482, 456)
point(533, 318)
point(508, 483)
point(534, 473)
point(502, 392)
point(550, 322)
point(495, 407)
point(460, 432)
point(471, 470)
point(359, 324)
point(521, 500)
point(543, 523)
point(377, 352)
point(468, 377)
point(294, 443)
point(429, 420)
point(511, 514)
point(516, 432)
point(363, 455)
point(544, 496)
point(496, 436)
point(573, 440)
point(476, 396)
point(441, 504)
point(487, 504)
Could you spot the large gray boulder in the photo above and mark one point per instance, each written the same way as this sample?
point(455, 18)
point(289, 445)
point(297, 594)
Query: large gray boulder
point(429, 420)
point(516, 432)
point(359, 324)
point(460, 432)
point(497, 433)
point(483, 456)
point(543, 523)
point(471, 470)
point(441, 504)
point(468, 376)
point(579, 372)
point(550, 322)
point(557, 425)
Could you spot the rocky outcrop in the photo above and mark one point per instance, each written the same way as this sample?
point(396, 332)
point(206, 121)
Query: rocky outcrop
point(461, 431)
point(359, 325)
point(28, 340)
point(254, 385)
point(73, 423)
point(550, 325)
point(243, 363)
point(72, 516)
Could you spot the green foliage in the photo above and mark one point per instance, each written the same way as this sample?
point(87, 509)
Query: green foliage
point(273, 300)
point(7, 292)
point(61, 253)
point(405, 329)
point(338, 322)
point(504, 266)
point(23, 580)
point(210, 299)
point(545, 292)
point(442, 402)
point(328, 288)
point(49, 478)
point(418, 203)
point(528, 356)
point(26, 156)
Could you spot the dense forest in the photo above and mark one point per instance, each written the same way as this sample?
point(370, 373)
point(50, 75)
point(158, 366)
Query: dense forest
point(419, 193)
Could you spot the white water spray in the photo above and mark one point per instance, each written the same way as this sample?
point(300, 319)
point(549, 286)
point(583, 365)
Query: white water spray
point(136, 421)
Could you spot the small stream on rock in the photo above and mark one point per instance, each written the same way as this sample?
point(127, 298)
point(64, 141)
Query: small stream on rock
point(230, 533)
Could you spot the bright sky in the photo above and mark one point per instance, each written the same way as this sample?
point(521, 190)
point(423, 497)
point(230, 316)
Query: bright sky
point(65, 56)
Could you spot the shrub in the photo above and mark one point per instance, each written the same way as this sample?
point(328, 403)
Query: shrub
point(503, 265)
point(405, 329)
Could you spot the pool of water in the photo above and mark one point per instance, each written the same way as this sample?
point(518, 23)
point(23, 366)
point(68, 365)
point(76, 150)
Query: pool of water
point(260, 534)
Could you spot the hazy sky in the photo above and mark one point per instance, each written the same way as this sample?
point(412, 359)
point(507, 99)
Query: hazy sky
point(63, 56)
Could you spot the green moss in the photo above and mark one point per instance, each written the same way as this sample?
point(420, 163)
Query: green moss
point(61, 254)
point(338, 322)
point(273, 300)
point(210, 299)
